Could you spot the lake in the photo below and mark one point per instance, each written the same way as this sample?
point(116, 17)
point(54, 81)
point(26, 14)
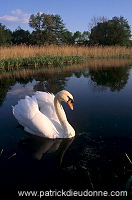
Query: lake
point(98, 157)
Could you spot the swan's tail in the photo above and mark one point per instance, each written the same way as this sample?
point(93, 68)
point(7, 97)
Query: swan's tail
point(25, 110)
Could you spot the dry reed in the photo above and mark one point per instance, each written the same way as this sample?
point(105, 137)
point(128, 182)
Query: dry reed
point(23, 51)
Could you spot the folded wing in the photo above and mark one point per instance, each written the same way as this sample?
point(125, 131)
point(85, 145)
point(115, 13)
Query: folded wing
point(35, 122)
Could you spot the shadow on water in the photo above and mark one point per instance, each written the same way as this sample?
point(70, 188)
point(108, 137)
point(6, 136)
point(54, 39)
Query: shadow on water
point(37, 164)
point(80, 163)
point(37, 147)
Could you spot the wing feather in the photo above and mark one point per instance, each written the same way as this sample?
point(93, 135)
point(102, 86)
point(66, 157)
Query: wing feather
point(35, 122)
point(46, 104)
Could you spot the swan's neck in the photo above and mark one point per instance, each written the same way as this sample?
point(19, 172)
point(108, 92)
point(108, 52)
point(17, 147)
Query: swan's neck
point(61, 115)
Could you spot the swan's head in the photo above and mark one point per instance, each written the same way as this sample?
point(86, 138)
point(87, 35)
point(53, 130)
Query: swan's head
point(65, 96)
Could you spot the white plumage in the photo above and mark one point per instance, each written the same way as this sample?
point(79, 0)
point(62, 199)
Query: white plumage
point(43, 115)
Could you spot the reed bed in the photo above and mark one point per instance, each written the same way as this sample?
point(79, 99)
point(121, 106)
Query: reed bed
point(22, 55)
point(23, 51)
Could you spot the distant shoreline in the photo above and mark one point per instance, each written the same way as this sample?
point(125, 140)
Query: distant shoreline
point(53, 55)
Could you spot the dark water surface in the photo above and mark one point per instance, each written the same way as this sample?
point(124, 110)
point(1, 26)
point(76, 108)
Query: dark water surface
point(96, 158)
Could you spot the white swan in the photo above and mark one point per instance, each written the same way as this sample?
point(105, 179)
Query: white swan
point(43, 115)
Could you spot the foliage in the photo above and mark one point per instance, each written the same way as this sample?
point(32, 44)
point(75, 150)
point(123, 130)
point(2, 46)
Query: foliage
point(50, 29)
point(47, 28)
point(20, 36)
point(12, 63)
point(67, 38)
point(112, 32)
point(77, 36)
point(5, 35)
point(95, 20)
point(81, 38)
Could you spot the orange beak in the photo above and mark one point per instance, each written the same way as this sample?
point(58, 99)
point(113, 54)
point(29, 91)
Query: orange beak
point(70, 104)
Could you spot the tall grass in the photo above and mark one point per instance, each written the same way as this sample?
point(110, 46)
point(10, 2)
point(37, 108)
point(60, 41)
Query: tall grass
point(22, 55)
point(23, 51)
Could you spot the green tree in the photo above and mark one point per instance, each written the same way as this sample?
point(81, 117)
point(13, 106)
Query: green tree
point(48, 28)
point(20, 36)
point(81, 38)
point(112, 32)
point(95, 20)
point(67, 37)
point(5, 35)
point(85, 37)
point(77, 37)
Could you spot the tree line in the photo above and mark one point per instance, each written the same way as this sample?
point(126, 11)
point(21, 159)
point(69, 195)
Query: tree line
point(50, 29)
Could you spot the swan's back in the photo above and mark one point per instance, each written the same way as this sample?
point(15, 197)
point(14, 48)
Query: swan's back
point(28, 115)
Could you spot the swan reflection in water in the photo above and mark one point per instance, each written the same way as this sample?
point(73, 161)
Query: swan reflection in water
point(37, 164)
point(39, 147)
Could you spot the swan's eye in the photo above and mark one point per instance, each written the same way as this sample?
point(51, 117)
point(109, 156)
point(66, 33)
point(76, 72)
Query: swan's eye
point(70, 102)
point(69, 99)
